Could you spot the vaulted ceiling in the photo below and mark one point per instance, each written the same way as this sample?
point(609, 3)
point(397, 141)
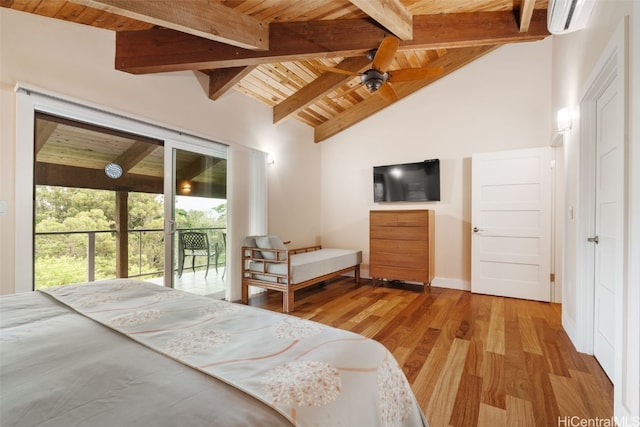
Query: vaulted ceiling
point(278, 51)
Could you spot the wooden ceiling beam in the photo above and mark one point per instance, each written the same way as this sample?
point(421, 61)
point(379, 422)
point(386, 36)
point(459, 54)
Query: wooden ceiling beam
point(391, 14)
point(44, 129)
point(95, 179)
point(453, 60)
point(525, 13)
point(318, 88)
point(222, 80)
point(161, 50)
point(208, 19)
point(196, 167)
point(135, 154)
point(79, 177)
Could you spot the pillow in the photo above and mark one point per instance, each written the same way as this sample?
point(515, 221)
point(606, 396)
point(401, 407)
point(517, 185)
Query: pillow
point(271, 242)
point(250, 241)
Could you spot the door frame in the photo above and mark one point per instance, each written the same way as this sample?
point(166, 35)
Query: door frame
point(610, 66)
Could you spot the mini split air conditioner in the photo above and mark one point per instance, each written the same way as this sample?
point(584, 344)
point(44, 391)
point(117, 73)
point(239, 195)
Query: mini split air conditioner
point(565, 16)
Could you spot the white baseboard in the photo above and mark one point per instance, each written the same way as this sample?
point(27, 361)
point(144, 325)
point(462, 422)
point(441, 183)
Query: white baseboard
point(571, 329)
point(444, 282)
point(438, 282)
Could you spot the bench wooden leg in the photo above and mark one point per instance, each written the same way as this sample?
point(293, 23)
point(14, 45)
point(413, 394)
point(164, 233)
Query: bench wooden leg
point(357, 274)
point(245, 293)
point(287, 301)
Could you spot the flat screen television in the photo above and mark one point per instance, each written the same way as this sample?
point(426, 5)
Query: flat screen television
point(407, 182)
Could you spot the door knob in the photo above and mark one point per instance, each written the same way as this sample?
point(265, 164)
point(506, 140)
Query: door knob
point(593, 239)
point(476, 229)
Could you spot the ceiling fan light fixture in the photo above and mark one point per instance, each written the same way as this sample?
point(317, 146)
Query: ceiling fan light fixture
point(113, 170)
point(373, 79)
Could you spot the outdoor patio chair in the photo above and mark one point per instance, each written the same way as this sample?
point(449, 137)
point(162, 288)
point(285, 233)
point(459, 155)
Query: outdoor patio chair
point(193, 244)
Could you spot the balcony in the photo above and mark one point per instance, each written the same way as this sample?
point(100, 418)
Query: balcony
point(89, 256)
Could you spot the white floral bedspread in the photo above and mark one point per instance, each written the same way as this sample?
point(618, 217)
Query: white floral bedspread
point(313, 374)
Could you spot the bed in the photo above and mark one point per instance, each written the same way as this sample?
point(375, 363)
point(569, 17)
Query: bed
point(127, 352)
point(268, 264)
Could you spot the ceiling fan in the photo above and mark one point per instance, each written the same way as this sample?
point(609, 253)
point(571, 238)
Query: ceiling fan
point(379, 77)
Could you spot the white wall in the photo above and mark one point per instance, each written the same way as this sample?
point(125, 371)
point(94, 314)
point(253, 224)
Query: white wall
point(499, 102)
point(575, 56)
point(76, 61)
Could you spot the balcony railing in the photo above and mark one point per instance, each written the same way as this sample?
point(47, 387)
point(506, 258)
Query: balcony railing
point(147, 246)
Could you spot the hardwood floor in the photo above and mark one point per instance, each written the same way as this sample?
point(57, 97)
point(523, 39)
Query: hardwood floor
point(472, 360)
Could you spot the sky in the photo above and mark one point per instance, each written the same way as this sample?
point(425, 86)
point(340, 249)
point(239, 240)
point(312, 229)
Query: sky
point(204, 204)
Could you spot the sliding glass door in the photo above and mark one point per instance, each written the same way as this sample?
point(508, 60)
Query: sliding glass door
point(108, 197)
point(196, 212)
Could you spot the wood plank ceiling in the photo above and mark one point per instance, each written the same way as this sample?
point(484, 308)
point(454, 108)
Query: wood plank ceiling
point(272, 50)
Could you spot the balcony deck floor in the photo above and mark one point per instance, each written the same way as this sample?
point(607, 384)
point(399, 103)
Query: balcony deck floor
point(213, 285)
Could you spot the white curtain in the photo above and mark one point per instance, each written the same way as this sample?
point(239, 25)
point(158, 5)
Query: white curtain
point(258, 193)
point(247, 208)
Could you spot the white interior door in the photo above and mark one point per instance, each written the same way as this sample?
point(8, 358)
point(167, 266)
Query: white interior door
point(511, 223)
point(607, 207)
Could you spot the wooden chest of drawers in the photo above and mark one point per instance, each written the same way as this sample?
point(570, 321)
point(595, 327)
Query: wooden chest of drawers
point(401, 244)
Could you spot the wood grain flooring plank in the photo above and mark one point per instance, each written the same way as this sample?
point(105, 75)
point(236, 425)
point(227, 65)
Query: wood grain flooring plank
point(495, 337)
point(552, 354)
point(444, 394)
point(516, 378)
point(461, 309)
point(493, 381)
point(396, 308)
point(475, 356)
point(416, 309)
point(519, 412)
point(441, 307)
point(568, 353)
point(545, 406)
point(605, 387)
point(568, 403)
point(599, 405)
point(466, 407)
point(512, 308)
point(416, 356)
point(491, 416)
point(480, 306)
point(359, 327)
point(426, 379)
point(530, 341)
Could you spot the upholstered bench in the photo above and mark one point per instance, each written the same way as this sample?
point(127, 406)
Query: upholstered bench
point(267, 263)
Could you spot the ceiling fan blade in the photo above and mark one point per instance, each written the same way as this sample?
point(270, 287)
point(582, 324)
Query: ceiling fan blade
point(410, 74)
point(336, 70)
point(385, 54)
point(388, 93)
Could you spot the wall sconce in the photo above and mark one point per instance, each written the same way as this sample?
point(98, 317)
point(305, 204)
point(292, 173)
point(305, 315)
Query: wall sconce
point(185, 187)
point(563, 119)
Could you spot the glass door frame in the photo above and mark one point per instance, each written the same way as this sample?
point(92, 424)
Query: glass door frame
point(171, 145)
